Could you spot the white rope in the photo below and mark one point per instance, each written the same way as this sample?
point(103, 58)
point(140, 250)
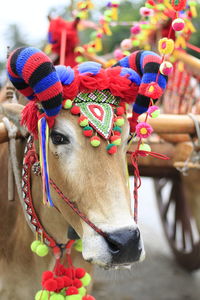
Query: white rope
point(12, 131)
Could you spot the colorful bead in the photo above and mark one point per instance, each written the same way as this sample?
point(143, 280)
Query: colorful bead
point(67, 104)
point(95, 141)
point(116, 140)
point(111, 148)
point(83, 121)
point(178, 24)
point(165, 46)
point(143, 130)
point(119, 121)
point(88, 131)
point(166, 68)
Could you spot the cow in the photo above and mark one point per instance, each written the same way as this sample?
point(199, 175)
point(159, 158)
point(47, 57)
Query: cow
point(93, 179)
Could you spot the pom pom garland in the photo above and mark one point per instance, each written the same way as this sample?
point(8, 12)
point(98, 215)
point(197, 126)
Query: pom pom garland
point(80, 273)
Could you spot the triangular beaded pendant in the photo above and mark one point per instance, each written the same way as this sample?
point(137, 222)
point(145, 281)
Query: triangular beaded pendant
point(100, 117)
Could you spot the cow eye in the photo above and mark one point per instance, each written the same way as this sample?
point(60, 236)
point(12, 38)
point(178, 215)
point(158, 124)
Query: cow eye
point(59, 139)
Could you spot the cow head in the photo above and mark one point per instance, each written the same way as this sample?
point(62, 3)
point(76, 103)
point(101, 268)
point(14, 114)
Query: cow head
point(92, 178)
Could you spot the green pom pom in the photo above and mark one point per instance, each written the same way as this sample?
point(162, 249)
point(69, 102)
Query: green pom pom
point(79, 59)
point(156, 113)
point(74, 297)
point(34, 245)
point(95, 141)
point(86, 279)
point(136, 43)
point(42, 250)
point(145, 147)
point(67, 104)
point(78, 245)
point(119, 121)
point(42, 295)
point(57, 297)
point(117, 128)
point(82, 291)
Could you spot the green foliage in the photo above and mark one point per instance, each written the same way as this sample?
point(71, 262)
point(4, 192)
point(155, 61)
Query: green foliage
point(195, 38)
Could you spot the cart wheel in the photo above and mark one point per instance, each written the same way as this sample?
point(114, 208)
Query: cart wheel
point(179, 225)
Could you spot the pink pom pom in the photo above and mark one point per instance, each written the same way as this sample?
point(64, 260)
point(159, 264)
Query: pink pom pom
point(178, 24)
point(126, 44)
point(146, 12)
point(118, 54)
point(135, 29)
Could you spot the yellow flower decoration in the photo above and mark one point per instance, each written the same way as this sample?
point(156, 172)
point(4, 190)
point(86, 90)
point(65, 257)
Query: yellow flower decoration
point(166, 46)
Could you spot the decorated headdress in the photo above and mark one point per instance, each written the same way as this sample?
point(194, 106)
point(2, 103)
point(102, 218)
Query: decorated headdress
point(97, 95)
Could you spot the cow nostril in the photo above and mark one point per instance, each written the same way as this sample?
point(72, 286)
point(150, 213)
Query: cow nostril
point(113, 246)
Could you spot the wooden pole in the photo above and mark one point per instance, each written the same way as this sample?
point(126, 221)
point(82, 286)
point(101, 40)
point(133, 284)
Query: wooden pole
point(171, 123)
point(191, 63)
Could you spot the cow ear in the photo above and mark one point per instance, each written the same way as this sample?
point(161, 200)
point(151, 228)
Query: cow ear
point(13, 112)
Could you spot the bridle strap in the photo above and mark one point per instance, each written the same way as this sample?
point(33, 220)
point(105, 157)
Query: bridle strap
point(75, 209)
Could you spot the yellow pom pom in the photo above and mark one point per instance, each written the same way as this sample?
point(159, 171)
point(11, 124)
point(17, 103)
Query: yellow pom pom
point(95, 141)
point(42, 295)
point(165, 46)
point(86, 279)
point(78, 245)
point(67, 104)
point(119, 121)
point(82, 291)
point(42, 250)
point(145, 147)
point(34, 245)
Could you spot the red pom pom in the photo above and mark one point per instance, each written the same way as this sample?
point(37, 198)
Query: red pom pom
point(88, 133)
point(80, 273)
point(72, 290)
point(46, 275)
point(88, 297)
point(60, 283)
point(67, 281)
point(119, 111)
point(75, 110)
point(82, 118)
point(112, 150)
point(77, 283)
point(51, 285)
point(70, 272)
point(114, 138)
point(117, 133)
point(152, 90)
